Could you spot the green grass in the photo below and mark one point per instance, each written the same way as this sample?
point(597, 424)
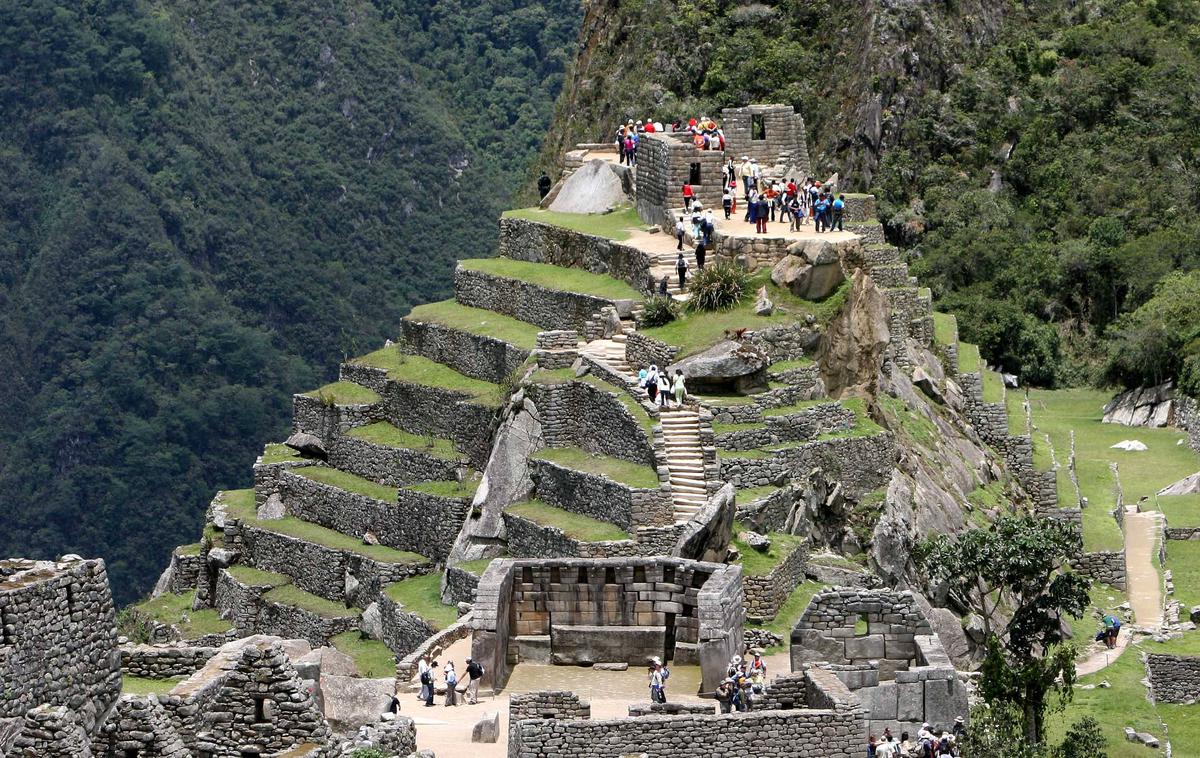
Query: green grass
point(170, 608)
point(449, 488)
point(914, 424)
point(790, 613)
point(136, 685)
point(574, 525)
point(250, 575)
point(344, 480)
point(751, 494)
point(290, 594)
point(277, 452)
point(864, 425)
point(383, 433)
point(344, 393)
point(189, 550)
point(968, 358)
point(416, 369)
point(373, 658)
point(993, 387)
point(1180, 510)
point(237, 498)
point(945, 328)
point(630, 474)
point(780, 367)
point(1183, 559)
point(422, 595)
point(633, 406)
point(478, 321)
point(1057, 412)
point(476, 567)
point(615, 226)
point(754, 563)
point(554, 277)
point(693, 332)
point(319, 535)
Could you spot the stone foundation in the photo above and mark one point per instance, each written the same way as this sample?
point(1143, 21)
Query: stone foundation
point(548, 308)
point(860, 464)
point(1174, 678)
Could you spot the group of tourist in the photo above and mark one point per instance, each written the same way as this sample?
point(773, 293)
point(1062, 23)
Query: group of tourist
point(744, 684)
point(706, 135)
point(660, 386)
point(929, 743)
point(427, 672)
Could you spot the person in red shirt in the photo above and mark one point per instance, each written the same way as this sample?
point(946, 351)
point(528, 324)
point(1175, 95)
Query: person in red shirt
point(688, 196)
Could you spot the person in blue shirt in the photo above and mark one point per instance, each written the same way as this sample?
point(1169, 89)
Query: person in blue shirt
point(839, 207)
point(822, 217)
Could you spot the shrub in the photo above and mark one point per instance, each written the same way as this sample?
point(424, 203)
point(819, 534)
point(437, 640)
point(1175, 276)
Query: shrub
point(717, 288)
point(658, 311)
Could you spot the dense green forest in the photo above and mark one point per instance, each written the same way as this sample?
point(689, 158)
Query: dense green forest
point(206, 205)
point(1040, 161)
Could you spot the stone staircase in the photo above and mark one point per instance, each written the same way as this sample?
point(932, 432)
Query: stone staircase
point(685, 461)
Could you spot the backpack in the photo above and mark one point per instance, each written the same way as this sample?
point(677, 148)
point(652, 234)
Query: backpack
point(426, 677)
point(666, 673)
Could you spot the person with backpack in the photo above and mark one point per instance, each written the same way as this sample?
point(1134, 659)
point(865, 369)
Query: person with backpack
point(762, 211)
point(451, 684)
point(474, 674)
point(839, 208)
point(681, 267)
point(1112, 630)
point(724, 695)
point(680, 229)
point(727, 201)
point(425, 671)
point(701, 253)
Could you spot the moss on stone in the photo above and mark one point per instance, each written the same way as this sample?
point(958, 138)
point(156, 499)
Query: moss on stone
point(344, 393)
point(574, 525)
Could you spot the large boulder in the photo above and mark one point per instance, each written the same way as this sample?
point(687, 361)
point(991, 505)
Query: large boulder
point(487, 729)
point(307, 445)
point(273, 509)
point(597, 186)
point(1144, 406)
point(727, 364)
point(351, 702)
point(853, 346)
point(1189, 485)
point(808, 280)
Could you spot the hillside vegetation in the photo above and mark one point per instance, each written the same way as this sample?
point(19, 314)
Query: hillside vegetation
point(206, 205)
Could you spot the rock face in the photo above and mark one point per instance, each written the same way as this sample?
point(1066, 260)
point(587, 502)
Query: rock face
point(351, 702)
point(763, 306)
point(1189, 485)
point(308, 445)
point(486, 729)
point(812, 269)
point(726, 364)
point(597, 186)
point(273, 509)
point(853, 346)
point(1144, 406)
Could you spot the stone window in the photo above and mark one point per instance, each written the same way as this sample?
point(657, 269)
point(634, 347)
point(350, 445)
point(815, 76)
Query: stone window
point(261, 714)
point(758, 127)
point(555, 576)
point(583, 576)
point(694, 174)
point(861, 625)
point(669, 574)
point(639, 574)
point(610, 575)
point(131, 752)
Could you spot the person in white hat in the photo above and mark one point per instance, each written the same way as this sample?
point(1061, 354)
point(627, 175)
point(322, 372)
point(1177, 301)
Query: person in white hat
point(658, 681)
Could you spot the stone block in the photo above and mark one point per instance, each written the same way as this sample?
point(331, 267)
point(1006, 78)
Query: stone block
point(487, 729)
point(945, 700)
point(870, 647)
point(880, 701)
point(910, 701)
point(576, 644)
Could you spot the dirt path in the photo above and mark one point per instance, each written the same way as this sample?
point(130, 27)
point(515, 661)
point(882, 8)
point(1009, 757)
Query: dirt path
point(1142, 582)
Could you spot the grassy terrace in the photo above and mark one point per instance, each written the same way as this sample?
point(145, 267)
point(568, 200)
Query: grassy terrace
point(454, 489)
point(319, 535)
point(136, 685)
point(290, 594)
point(1183, 559)
point(344, 393)
point(277, 452)
point(344, 480)
point(993, 387)
point(630, 474)
point(754, 563)
point(945, 328)
point(781, 366)
point(615, 226)
point(476, 567)
point(1057, 412)
point(968, 358)
point(383, 433)
point(575, 526)
point(554, 277)
point(249, 575)
point(720, 427)
point(422, 595)
point(478, 321)
point(415, 369)
point(169, 608)
point(790, 613)
point(1180, 510)
point(750, 494)
point(373, 658)
point(694, 332)
point(560, 375)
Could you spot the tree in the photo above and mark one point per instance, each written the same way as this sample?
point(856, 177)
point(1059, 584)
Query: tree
point(1018, 567)
point(997, 731)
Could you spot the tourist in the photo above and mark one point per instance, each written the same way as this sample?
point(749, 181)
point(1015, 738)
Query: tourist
point(959, 730)
point(724, 695)
point(732, 669)
point(708, 225)
point(425, 676)
point(747, 175)
point(664, 286)
point(427, 679)
point(658, 692)
point(474, 674)
point(907, 748)
point(701, 253)
point(642, 378)
point(544, 185)
point(664, 390)
point(763, 209)
point(795, 214)
point(1112, 630)
point(681, 267)
point(771, 193)
point(679, 387)
point(727, 201)
point(755, 173)
point(838, 207)
point(758, 667)
point(621, 144)
point(822, 208)
point(871, 751)
point(688, 195)
point(697, 219)
point(451, 684)
point(680, 229)
point(652, 383)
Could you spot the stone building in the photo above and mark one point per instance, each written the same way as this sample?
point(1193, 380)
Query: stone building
point(665, 163)
point(773, 135)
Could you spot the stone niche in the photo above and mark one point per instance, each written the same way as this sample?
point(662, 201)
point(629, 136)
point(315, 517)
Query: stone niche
point(881, 645)
point(584, 611)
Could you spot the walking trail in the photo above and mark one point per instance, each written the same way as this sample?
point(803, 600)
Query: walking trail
point(1142, 585)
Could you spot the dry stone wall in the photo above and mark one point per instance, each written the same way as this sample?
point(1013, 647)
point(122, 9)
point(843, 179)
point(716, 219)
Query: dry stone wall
point(391, 465)
point(600, 497)
point(665, 163)
point(1174, 678)
point(642, 351)
point(403, 631)
point(139, 726)
point(536, 242)
point(528, 539)
point(163, 661)
point(766, 593)
point(475, 355)
point(860, 464)
point(312, 415)
point(251, 612)
point(547, 308)
point(800, 426)
point(579, 414)
point(782, 140)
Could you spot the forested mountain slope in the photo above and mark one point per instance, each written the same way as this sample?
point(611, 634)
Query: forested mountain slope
point(205, 206)
point(1040, 160)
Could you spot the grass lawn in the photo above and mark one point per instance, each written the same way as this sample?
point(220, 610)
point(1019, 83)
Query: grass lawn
point(478, 321)
point(781, 366)
point(693, 332)
point(254, 576)
point(422, 595)
point(415, 369)
point(630, 474)
point(192, 549)
point(383, 433)
point(344, 393)
point(554, 277)
point(802, 405)
point(968, 358)
point(344, 480)
point(750, 494)
point(945, 328)
point(373, 658)
point(136, 685)
point(1057, 412)
point(789, 613)
point(476, 567)
point(1180, 510)
point(277, 452)
point(241, 499)
point(615, 226)
point(170, 608)
point(754, 563)
point(319, 535)
point(449, 488)
point(864, 425)
point(993, 387)
point(1183, 560)
point(290, 594)
point(575, 526)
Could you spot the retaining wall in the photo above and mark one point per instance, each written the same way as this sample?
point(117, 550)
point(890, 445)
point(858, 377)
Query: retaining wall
point(537, 242)
point(474, 355)
point(1174, 678)
point(548, 308)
